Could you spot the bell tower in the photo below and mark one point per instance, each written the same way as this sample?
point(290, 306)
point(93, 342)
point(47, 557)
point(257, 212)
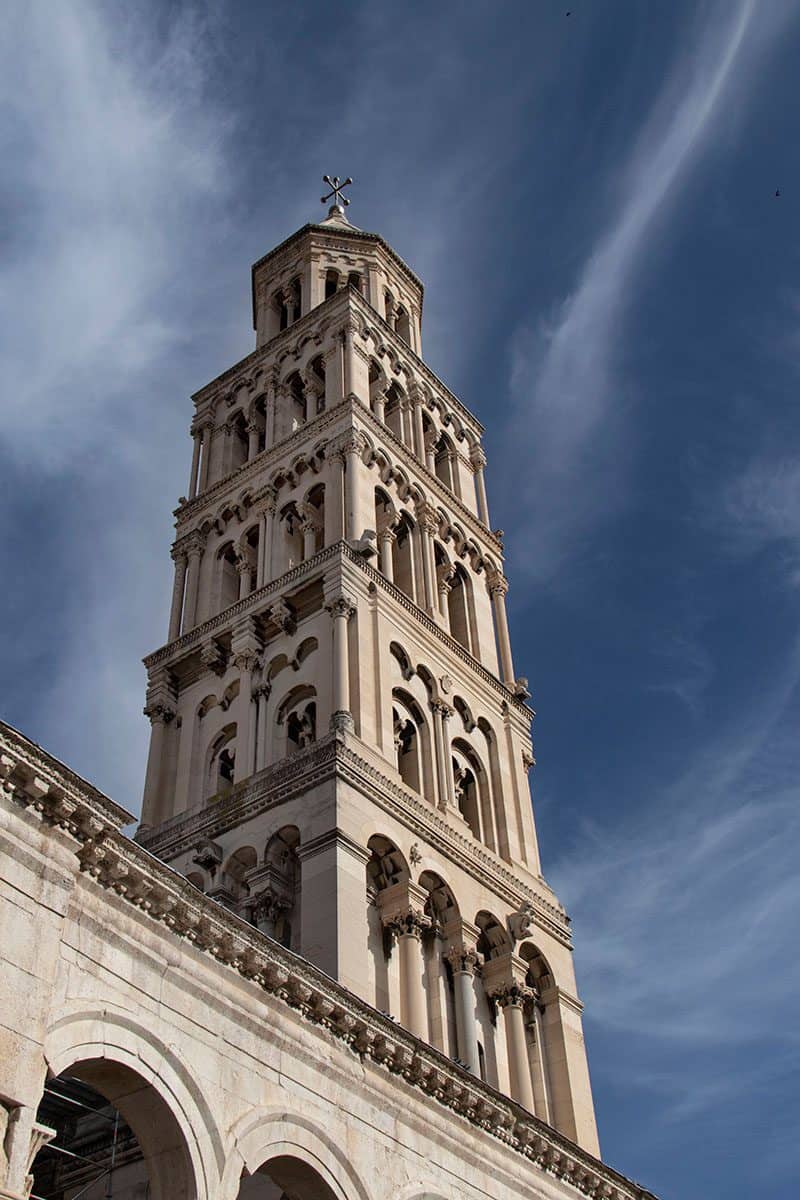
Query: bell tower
point(340, 747)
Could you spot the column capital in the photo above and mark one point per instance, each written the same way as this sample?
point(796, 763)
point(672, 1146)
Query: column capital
point(462, 959)
point(441, 706)
point(511, 995)
point(411, 922)
point(341, 606)
point(427, 516)
point(477, 456)
point(192, 543)
point(496, 583)
point(158, 711)
point(352, 442)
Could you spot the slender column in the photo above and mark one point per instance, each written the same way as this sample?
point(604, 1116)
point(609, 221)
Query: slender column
point(244, 571)
point(252, 439)
point(428, 524)
point(261, 728)
point(267, 516)
point(498, 587)
point(334, 498)
point(309, 539)
point(348, 358)
point(244, 645)
point(430, 451)
point(353, 448)
point(538, 1064)
point(416, 400)
point(511, 1000)
point(269, 410)
point(478, 460)
point(463, 962)
point(442, 713)
point(178, 587)
point(195, 472)
point(380, 405)
point(386, 539)
point(205, 457)
point(194, 549)
point(341, 610)
point(160, 709)
point(444, 575)
point(407, 928)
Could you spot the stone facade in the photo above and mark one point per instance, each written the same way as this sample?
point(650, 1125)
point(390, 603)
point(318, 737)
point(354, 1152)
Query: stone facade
point(329, 964)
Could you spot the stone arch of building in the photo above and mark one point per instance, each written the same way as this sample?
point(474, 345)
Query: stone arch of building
point(269, 1133)
point(95, 1041)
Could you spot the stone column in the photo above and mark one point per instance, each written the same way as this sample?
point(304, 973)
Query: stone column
point(478, 460)
point(380, 405)
point(261, 727)
point(511, 1000)
point(463, 962)
point(430, 451)
point(498, 587)
point(269, 410)
point(442, 713)
point(444, 576)
point(252, 439)
point(334, 497)
point(416, 400)
point(244, 647)
point(407, 928)
point(205, 457)
point(428, 525)
point(195, 472)
point(341, 610)
point(160, 710)
point(194, 543)
point(266, 515)
point(348, 357)
point(353, 448)
point(538, 1064)
point(386, 539)
point(176, 608)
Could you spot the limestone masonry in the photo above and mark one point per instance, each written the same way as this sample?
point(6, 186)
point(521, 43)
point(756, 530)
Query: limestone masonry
point(328, 966)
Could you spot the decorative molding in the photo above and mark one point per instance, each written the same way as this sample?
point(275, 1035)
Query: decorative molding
point(118, 865)
point(332, 756)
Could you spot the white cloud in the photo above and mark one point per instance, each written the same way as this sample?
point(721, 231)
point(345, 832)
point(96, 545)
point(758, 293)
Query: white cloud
point(568, 400)
point(761, 509)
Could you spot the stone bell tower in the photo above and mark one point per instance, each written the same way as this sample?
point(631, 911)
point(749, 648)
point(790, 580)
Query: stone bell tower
point(340, 747)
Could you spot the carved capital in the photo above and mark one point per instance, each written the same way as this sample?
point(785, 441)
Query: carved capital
point(428, 517)
point(511, 995)
point(159, 712)
point(411, 922)
point(192, 544)
point(282, 615)
point(341, 606)
point(462, 960)
point(477, 457)
point(442, 707)
point(496, 583)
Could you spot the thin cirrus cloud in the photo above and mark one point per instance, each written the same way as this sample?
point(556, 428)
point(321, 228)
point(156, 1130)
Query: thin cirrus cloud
point(574, 404)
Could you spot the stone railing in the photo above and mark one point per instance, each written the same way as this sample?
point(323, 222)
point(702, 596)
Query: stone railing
point(33, 780)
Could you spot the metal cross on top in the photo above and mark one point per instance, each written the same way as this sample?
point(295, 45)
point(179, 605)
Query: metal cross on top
point(337, 186)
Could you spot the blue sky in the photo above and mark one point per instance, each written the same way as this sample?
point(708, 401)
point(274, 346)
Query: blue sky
point(613, 286)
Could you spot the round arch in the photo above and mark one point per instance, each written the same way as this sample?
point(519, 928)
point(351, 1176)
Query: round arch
point(270, 1133)
point(94, 1042)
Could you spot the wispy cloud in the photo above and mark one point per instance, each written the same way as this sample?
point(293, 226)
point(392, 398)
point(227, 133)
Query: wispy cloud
point(572, 407)
point(760, 509)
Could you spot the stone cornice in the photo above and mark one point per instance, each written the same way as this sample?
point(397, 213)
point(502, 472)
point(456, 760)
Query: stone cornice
point(47, 776)
point(160, 895)
point(339, 755)
point(255, 601)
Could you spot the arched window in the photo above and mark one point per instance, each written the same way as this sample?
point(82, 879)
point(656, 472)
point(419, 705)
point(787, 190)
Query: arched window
point(444, 461)
point(412, 743)
point(275, 897)
point(290, 541)
point(403, 324)
point(354, 280)
point(296, 721)
point(227, 577)
point(237, 442)
point(386, 869)
point(403, 557)
point(316, 371)
point(297, 402)
point(331, 283)
point(471, 787)
point(392, 413)
point(459, 607)
point(235, 872)
point(312, 513)
point(539, 979)
point(222, 763)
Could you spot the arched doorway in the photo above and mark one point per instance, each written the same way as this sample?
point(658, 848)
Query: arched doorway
point(116, 1139)
point(285, 1178)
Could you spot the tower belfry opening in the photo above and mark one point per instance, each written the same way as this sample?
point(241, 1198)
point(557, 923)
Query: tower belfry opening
point(340, 745)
